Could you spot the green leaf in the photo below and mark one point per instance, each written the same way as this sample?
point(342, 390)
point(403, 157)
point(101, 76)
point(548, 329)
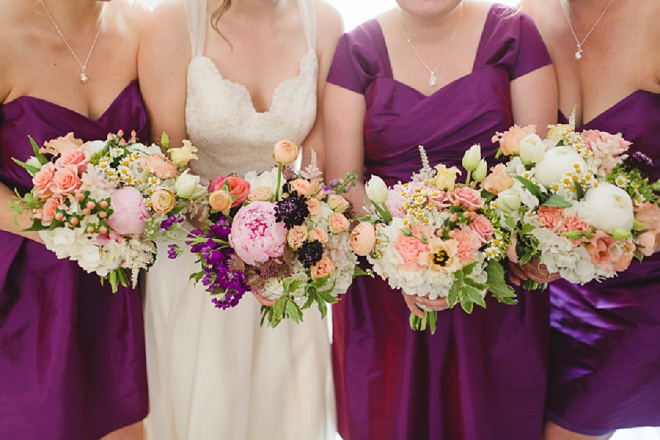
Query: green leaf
point(358, 271)
point(497, 285)
point(579, 190)
point(291, 285)
point(527, 228)
point(432, 318)
point(454, 293)
point(112, 277)
point(323, 308)
point(531, 187)
point(40, 157)
point(474, 295)
point(557, 200)
point(29, 168)
point(294, 311)
point(278, 307)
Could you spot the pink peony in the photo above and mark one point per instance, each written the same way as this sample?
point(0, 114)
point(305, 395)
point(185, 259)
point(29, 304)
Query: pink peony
point(550, 216)
point(256, 235)
point(483, 227)
point(161, 166)
point(76, 159)
point(466, 197)
point(65, 181)
point(43, 180)
point(129, 212)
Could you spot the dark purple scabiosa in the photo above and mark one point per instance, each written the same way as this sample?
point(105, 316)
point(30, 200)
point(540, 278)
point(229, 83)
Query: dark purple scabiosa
point(291, 210)
point(310, 253)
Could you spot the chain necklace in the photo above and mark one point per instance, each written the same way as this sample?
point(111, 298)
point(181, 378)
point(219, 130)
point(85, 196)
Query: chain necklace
point(432, 78)
point(83, 66)
point(578, 54)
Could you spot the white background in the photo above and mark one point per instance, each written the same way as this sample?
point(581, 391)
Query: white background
point(355, 12)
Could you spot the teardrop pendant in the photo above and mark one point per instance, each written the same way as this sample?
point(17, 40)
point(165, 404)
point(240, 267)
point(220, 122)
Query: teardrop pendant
point(578, 55)
point(83, 78)
point(432, 79)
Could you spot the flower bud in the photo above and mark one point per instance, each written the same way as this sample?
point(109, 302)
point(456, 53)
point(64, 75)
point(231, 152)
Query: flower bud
point(376, 190)
point(508, 201)
point(471, 157)
point(479, 173)
point(285, 151)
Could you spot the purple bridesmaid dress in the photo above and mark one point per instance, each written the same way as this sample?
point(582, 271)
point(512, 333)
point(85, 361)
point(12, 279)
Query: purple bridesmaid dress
point(72, 363)
point(481, 376)
point(605, 337)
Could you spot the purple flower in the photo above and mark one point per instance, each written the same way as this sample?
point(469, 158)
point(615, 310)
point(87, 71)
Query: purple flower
point(291, 210)
point(310, 253)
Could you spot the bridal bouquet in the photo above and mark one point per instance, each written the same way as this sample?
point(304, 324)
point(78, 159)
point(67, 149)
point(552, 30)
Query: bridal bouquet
point(432, 237)
point(282, 235)
point(103, 203)
point(575, 202)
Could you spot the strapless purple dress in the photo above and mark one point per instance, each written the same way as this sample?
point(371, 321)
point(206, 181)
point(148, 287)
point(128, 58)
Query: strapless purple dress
point(72, 362)
point(605, 337)
point(481, 376)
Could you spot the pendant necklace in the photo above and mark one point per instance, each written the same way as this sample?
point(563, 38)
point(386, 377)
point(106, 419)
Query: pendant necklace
point(83, 66)
point(432, 78)
point(578, 54)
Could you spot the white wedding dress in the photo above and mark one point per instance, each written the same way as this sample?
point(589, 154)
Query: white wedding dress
point(217, 374)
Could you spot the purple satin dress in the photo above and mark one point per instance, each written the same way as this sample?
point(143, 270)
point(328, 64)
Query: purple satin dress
point(605, 337)
point(72, 362)
point(481, 376)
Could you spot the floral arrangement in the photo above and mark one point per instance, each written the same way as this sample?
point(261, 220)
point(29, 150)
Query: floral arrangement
point(432, 237)
point(103, 203)
point(279, 234)
point(575, 202)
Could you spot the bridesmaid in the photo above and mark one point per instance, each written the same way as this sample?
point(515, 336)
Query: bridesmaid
point(72, 363)
point(443, 74)
point(605, 357)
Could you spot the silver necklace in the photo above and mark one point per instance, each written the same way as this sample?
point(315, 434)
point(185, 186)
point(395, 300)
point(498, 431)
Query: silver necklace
point(83, 66)
point(578, 54)
point(432, 78)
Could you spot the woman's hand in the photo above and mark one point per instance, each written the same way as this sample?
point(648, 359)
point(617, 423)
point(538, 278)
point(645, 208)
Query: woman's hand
point(414, 302)
point(263, 300)
point(531, 270)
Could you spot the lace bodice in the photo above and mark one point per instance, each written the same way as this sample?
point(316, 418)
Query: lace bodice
point(221, 121)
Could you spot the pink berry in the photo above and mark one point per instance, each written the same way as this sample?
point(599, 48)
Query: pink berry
point(103, 204)
point(103, 230)
point(74, 221)
point(103, 214)
point(91, 205)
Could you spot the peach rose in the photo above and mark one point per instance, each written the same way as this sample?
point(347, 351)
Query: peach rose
point(319, 235)
point(48, 210)
point(315, 207)
point(161, 166)
point(43, 180)
point(75, 158)
point(510, 139)
point(338, 223)
point(296, 236)
point(483, 227)
point(316, 189)
point(410, 249)
point(260, 194)
point(302, 187)
point(337, 203)
point(163, 200)
point(220, 200)
point(363, 238)
point(65, 181)
point(466, 197)
point(323, 268)
point(550, 216)
point(61, 144)
point(498, 180)
point(285, 151)
point(238, 188)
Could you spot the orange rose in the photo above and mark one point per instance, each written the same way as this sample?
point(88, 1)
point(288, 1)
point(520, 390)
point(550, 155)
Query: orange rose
point(323, 268)
point(163, 200)
point(220, 200)
point(238, 188)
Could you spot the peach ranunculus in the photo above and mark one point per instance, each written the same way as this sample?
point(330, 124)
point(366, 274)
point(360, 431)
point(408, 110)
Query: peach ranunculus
point(48, 210)
point(43, 180)
point(466, 197)
point(260, 194)
point(315, 207)
point(338, 223)
point(337, 203)
point(296, 236)
point(483, 227)
point(239, 188)
point(75, 158)
point(323, 268)
point(60, 145)
point(285, 151)
point(318, 234)
point(550, 216)
point(498, 180)
point(163, 200)
point(220, 200)
point(161, 166)
point(65, 181)
point(363, 239)
point(510, 140)
point(441, 257)
point(410, 248)
point(600, 250)
point(302, 187)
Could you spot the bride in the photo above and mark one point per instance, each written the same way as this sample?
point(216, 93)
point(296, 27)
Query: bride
point(234, 77)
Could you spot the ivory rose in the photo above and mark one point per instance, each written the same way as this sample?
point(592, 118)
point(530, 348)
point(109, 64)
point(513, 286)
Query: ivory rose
point(260, 194)
point(607, 207)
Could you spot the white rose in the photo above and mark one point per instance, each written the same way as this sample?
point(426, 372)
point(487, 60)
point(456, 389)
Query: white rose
point(508, 201)
point(90, 256)
point(556, 163)
point(376, 190)
point(94, 146)
point(607, 207)
point(188, 187)
point(59, 237)
point(532, 149)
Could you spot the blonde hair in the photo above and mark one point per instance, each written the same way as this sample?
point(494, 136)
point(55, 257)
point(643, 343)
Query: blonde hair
point(217, 15)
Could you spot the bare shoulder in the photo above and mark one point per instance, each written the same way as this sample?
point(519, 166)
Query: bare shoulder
point(329, 25)
point(167, 28)
point(14, 40)
point(652, 36)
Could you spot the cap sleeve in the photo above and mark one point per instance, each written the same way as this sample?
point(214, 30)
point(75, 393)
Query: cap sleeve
point(356, 61)
point(512, 40)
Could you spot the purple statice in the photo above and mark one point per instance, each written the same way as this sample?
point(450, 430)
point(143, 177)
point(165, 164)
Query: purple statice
point(310, 253)
point(291, 210)
point(644, 164)
point(169, 221)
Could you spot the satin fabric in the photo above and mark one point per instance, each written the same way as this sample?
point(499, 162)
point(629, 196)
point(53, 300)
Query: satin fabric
point(605, 354)
point(72, 363)
point(481, 376)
